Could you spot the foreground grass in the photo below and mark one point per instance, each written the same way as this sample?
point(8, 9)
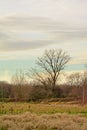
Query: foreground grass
point(31, 121)
point(51, 116)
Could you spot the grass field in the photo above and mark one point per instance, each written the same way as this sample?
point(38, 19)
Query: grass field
point(42, 108)
point(52, 116)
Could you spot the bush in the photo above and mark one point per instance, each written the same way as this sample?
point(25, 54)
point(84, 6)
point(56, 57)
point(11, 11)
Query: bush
point(37, 93)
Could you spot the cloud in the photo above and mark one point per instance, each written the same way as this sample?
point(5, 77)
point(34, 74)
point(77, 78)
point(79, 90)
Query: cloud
point(78, 60)
point(29, 32)
point(3, 35)
point(23, 45)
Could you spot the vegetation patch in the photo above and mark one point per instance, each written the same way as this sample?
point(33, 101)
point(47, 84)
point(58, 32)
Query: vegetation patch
point(31, 121)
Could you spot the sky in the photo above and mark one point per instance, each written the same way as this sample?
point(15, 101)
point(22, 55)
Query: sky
point(28, 27)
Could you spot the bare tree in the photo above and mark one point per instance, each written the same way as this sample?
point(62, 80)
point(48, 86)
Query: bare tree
point(75, 79)
point(18, 80)
point(50, 65)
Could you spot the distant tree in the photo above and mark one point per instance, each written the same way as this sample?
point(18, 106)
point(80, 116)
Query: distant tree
point(19, 80)
point(5, 90)
point(84, 85)
point(75, 79)
point(50, 65)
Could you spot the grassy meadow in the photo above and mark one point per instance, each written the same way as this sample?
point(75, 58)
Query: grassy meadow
point(42, 116)
point(42, 108)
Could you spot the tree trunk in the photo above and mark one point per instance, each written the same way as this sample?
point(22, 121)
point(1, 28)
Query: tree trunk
point(83, 95)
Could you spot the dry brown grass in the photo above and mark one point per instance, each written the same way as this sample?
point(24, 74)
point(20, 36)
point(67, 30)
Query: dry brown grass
point(29, 121)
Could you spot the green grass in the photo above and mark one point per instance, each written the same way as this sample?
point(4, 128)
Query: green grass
point(52, 108)
point(3, 128)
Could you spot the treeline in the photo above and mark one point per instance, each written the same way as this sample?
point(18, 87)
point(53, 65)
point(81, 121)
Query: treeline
point(74, 88)
point(46, 81)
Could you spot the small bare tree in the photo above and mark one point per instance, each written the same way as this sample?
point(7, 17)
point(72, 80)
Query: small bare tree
point(75, 79)
point(50, 65)
point(18, 80)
